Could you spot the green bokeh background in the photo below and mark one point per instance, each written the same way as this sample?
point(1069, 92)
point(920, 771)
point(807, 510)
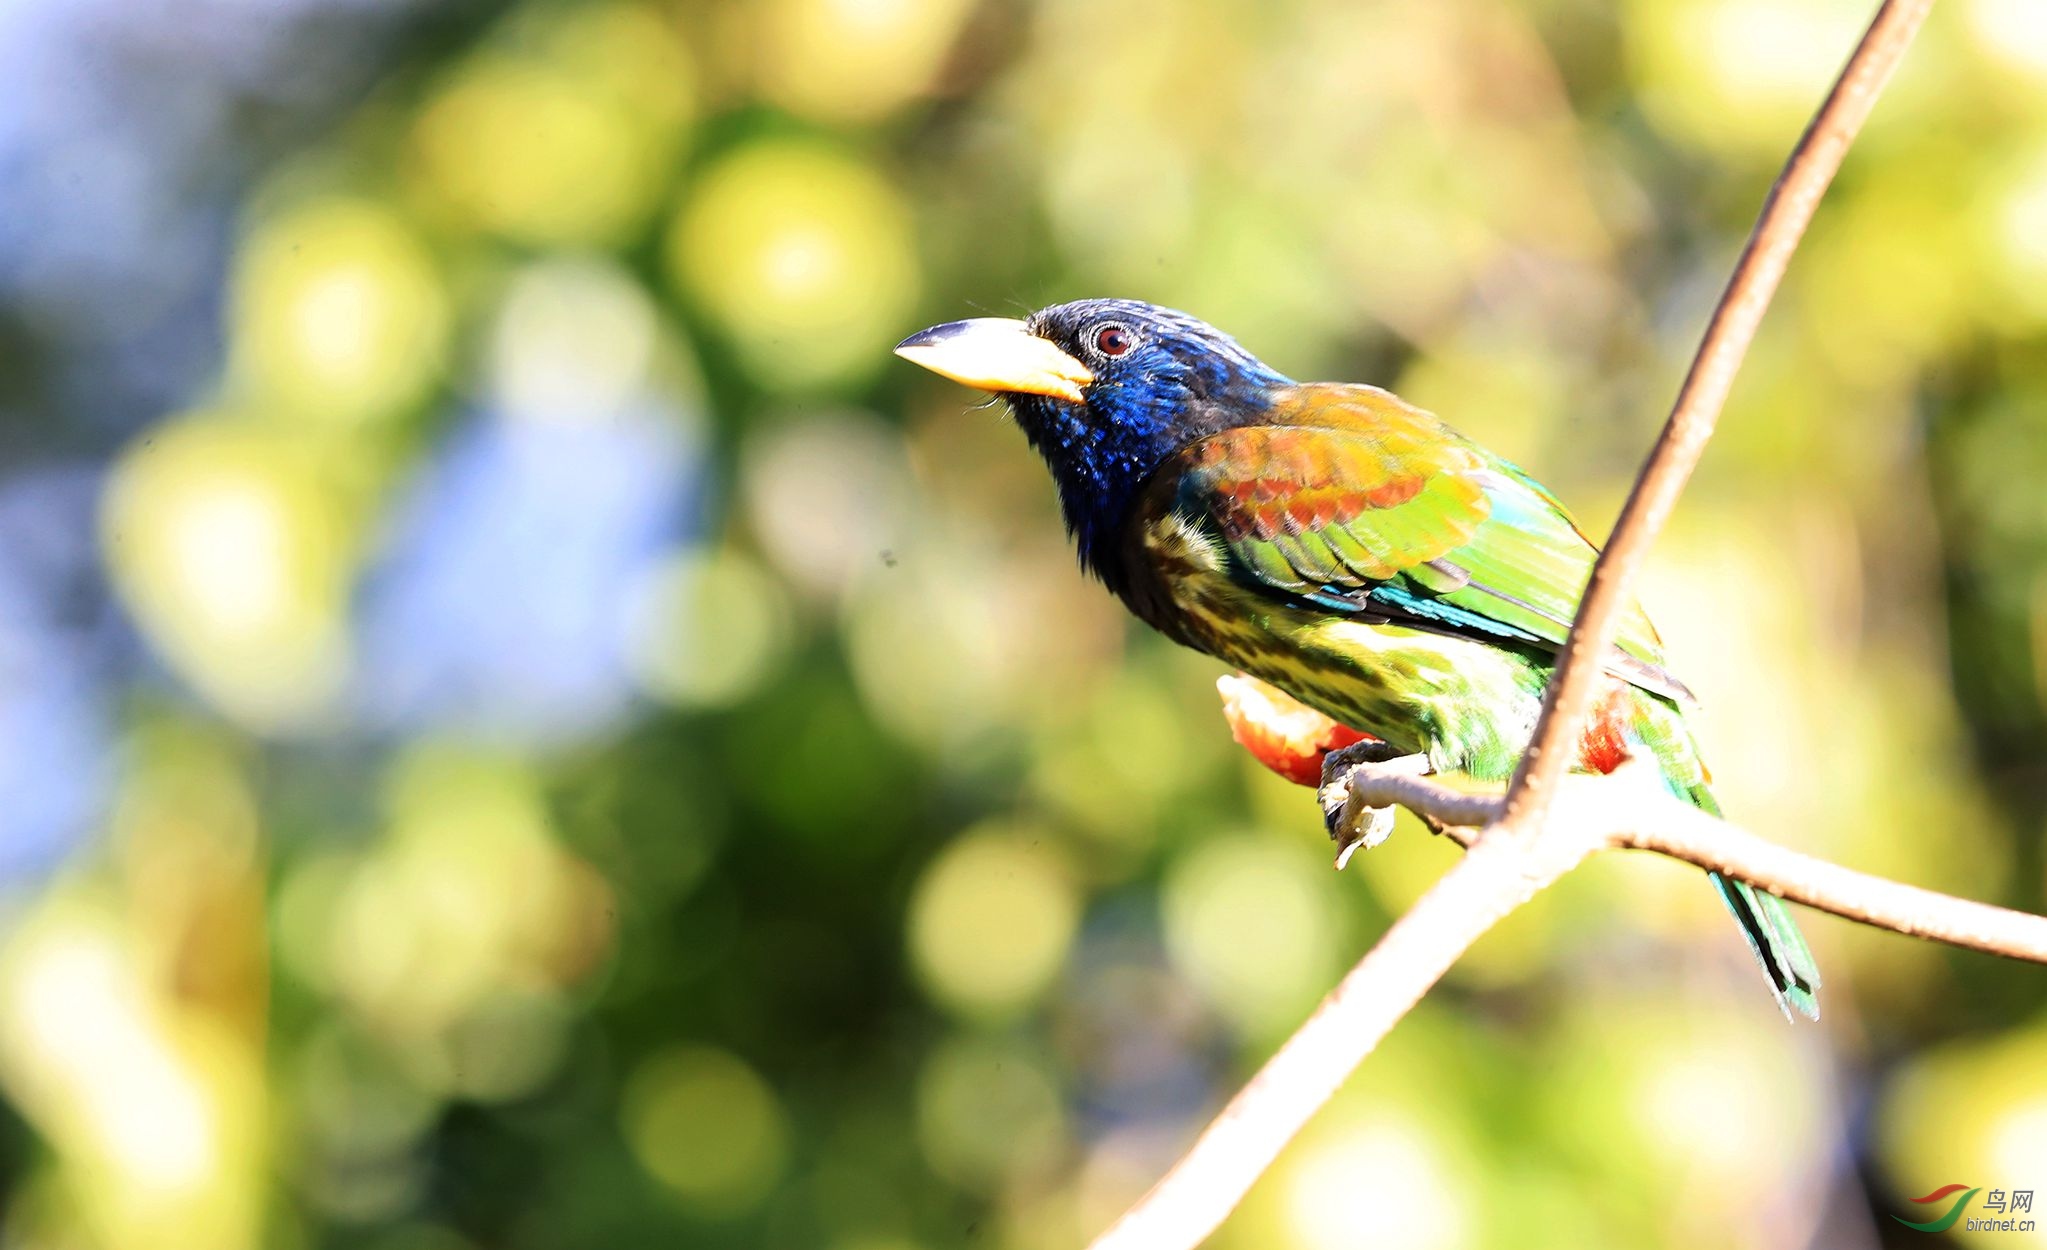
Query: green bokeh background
point(913, 898)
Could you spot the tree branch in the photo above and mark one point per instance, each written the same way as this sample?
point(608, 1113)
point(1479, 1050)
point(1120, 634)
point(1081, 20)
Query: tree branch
point(1684, 832)
point(1646, 817)
point(1627, 810)
point(1521, 851)
point(1778, 230)
point(1241, 1142)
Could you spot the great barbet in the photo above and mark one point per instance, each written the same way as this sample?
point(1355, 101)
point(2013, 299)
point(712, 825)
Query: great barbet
point(1337, 543)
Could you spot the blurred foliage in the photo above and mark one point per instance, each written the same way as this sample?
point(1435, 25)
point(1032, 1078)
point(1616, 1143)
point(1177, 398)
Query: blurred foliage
point(523, 727)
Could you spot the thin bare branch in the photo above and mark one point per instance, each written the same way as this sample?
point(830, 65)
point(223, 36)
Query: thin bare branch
point(1626, 811)
point(1239, 1144)
point(1778, 229)
point(1647, 817)
point(1684, 832)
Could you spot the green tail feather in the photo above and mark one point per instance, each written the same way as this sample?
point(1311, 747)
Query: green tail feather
point(1780, 948)
point(1772, 934)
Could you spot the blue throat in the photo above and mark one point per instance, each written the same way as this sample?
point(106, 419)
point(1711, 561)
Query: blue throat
point(1102, 452)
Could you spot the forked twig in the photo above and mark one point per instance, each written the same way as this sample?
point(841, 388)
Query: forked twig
point(1649, 818)
point(1764, 259)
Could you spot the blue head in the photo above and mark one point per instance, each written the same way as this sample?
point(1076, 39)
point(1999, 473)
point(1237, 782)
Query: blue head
point(1105, 390)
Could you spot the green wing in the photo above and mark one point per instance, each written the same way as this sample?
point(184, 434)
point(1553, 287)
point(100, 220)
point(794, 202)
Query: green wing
point(1355, 501)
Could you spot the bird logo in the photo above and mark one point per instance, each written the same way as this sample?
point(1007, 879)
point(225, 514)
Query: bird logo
point(1947, 1221)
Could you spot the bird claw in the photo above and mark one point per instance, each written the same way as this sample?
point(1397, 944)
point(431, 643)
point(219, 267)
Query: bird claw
point(1350, 822)
point(1372, 826)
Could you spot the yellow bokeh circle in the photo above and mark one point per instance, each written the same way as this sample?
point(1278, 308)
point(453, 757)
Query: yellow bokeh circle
point(707, 628)
point(852, 60)
point(339, 312)
point(706, 1126)
point(803, 255)
point(231, 548)
point(991, 921)
point(1254, 925)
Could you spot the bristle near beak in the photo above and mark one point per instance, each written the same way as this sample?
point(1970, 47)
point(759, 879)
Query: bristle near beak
point(997, 354)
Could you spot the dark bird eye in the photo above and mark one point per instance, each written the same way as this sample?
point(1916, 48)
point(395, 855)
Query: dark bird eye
point(1112, 340)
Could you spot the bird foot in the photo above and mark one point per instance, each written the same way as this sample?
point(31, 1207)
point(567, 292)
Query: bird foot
point(1350, 822)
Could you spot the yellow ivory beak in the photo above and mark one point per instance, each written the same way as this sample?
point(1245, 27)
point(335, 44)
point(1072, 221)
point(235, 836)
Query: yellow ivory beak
point(997, 354)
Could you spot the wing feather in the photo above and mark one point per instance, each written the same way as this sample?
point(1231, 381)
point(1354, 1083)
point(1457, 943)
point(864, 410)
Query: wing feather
point(1357, 501)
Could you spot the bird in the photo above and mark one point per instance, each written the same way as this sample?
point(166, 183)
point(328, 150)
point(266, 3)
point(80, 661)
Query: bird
point(1340, 544)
